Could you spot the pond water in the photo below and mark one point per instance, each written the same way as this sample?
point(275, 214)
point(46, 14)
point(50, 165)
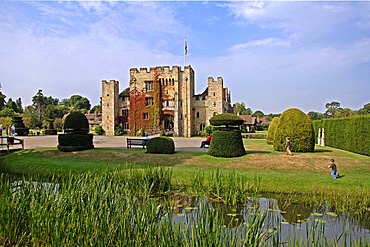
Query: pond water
point(291, 220)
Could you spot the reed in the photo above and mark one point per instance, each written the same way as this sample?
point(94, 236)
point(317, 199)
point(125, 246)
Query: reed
point(134, 208)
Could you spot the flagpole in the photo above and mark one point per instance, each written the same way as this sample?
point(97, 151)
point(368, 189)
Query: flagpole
point(185, 52)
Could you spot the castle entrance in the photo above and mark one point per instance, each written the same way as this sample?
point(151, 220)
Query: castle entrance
point(167, 122)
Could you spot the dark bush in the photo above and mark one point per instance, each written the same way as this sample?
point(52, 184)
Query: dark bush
point(226, 119)
point(296, 125)
point(76, 138)
point(76, 122)
point(160, 145)
point(75, 142)
point(226, 144)
point(272, 130)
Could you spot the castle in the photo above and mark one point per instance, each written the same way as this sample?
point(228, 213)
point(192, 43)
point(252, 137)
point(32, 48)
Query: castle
point(162, 98)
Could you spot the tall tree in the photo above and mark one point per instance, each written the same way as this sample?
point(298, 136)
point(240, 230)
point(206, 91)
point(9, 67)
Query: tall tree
point(2, 100)
point(39, 103)
point(18, 102)
point(77, 103)
point(241, 109)
point(331, 108)
point(315, 115)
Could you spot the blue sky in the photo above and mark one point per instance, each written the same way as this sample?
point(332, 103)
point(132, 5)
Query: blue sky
point(272, 55)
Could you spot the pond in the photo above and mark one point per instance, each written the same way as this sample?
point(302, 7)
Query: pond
point(291, 221)
point(274, 220)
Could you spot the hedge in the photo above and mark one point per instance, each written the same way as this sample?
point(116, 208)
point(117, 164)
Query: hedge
point(226, 144)
point(350, 133)
point(160, 145)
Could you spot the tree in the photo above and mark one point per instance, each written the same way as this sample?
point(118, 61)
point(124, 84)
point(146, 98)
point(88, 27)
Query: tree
point(331, 108)
point(258, 114)
point(364, 110)
point(18, 102)
point(241, 110)
point(2, 100)
point(345, 112)
point(315, 115)
point(77, 103)
point(39, 103)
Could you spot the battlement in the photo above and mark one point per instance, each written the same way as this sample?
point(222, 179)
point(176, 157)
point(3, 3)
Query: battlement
point(111, 81)
point(219, 80)
point(162, 69)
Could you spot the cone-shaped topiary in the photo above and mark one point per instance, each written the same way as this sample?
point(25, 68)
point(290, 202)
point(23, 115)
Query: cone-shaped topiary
point(160, 145)
point(272, 130)
point(296, 125)
point(226, 144)
point(76, 122)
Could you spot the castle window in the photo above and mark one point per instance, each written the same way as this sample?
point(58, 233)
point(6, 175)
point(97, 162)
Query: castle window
point(149, 85)
point(180, 115)
point(125, 112)
point(214, 103)
point(166, 91)
point(146, 115)
point(108, 94)
point(214, 94)
point(198, 114)
point(173, 81)
point(149, 101)
point(202, 127)
point(126, 126)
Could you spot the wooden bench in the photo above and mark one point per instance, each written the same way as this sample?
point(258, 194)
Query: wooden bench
point(10, 141)
point(136, 142)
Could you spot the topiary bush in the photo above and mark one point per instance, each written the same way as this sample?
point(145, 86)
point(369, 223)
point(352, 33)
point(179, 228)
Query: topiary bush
point(160, 145)
point(226, 144)
point(76, 122)
point(296, 125)
point(226, 119)
point(272, 130)
point(226, 141)
point(76, 135)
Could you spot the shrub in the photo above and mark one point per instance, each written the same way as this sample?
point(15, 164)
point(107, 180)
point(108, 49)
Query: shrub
point(76, 138)
point(160, 145)
point(208, 130)
point(76, 122)
point(226, 144)
point(75, 142)
point(226, 119)
point(272, 130)
point(98, 130)
point(298, 126)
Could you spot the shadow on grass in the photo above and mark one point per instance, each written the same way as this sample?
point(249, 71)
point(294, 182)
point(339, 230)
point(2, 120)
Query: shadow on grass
point(257, 152)
point(322, 151)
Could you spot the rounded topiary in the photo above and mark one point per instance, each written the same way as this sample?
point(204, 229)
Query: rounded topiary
point(226, 119)
point(296, 125)
point(272, 130)
point(76, 135)
point(160, 145)
point(226, 144)
point(76, 122)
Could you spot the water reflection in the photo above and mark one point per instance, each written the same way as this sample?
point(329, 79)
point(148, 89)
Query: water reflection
point(287, 216)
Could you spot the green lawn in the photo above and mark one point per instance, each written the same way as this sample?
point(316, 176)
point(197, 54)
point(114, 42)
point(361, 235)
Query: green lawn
point(301, 173)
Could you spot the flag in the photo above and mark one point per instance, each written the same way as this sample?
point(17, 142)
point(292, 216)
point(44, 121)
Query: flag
point(186, 47)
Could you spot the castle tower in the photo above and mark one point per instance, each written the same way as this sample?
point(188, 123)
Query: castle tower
point(215, 97)
point(110, 93)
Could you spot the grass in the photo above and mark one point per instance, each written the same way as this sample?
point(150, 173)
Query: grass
point(107, 196)
point(303, 172)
